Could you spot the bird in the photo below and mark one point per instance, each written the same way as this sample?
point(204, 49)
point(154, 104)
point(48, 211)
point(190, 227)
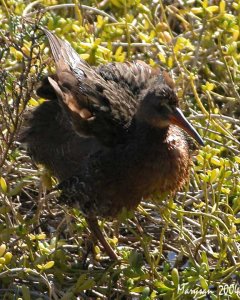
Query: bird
point(113, 135)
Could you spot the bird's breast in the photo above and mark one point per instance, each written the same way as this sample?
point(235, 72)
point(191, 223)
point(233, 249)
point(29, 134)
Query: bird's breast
point(134, 175)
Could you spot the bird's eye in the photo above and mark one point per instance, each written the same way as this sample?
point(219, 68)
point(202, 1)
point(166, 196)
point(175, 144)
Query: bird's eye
point(164, 109)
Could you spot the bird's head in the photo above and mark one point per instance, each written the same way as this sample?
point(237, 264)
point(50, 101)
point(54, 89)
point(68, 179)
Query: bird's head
point(160, 108)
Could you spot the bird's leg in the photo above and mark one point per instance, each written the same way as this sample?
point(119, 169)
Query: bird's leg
point(94, 227)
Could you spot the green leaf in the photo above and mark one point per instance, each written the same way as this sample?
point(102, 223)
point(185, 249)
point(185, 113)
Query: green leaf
point(162, 287)
point(203, 283)
point(237, 159)
point(3, 248)
point(214, 175)
point(87, 285)
point(48, 265)
point(175, 277)
point(3, 185)
point(25, 293)
point(182, 43)
point(138, 289)
point(8, 257)
point(222, 6)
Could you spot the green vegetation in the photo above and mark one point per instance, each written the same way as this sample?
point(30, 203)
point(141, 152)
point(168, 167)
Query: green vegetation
point(169, 249)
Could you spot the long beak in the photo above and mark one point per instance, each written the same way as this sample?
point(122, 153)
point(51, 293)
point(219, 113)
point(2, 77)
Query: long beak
point(177, 118)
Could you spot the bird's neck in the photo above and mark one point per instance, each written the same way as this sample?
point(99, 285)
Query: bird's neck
point(162, 159)
point(147, 135)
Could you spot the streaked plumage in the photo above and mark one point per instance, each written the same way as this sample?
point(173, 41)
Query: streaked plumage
point(116, 127)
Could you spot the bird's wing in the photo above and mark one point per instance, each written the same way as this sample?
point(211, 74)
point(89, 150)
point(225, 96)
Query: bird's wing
point(51, 141)
point(73, 73)
point(102, 106)
point(135, 75)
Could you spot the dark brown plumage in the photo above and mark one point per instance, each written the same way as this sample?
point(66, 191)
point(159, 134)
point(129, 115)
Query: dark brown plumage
point(110, 134)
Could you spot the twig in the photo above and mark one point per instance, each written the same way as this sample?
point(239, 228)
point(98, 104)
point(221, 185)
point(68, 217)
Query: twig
point(60, 6)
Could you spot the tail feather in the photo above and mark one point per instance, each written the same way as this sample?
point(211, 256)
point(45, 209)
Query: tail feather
point(64, 55)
